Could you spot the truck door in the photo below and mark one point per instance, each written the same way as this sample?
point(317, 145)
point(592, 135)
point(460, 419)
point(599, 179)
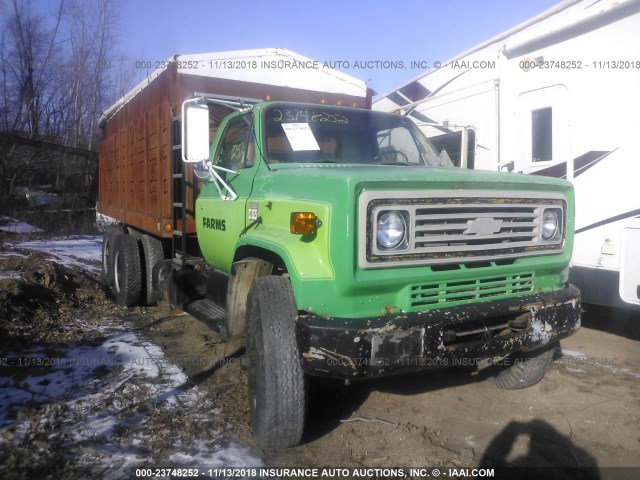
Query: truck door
point(222, 221)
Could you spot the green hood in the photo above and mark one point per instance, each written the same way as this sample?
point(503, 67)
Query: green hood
point(321, 182)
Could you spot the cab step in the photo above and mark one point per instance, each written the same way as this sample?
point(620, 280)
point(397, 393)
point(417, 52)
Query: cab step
point(208, 312)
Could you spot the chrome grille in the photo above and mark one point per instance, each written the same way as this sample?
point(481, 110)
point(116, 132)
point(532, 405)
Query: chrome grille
point(458, 226)
point(450, 228)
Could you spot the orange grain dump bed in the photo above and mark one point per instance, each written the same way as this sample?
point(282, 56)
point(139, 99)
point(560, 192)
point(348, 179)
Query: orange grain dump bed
point(137, 159)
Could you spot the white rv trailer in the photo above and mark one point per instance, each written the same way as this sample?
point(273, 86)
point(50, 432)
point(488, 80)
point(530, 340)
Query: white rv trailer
point(558, 95)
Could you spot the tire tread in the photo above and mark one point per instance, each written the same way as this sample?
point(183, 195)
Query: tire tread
point(108, 239)
point(279, 383)
point(529, 368)
point(152, 253)
point(131, 277)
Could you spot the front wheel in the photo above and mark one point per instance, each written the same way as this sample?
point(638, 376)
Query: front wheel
point(277, 386)
point(526, 368)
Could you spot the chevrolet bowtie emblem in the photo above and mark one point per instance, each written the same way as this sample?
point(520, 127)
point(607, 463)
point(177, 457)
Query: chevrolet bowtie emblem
point(483, 226)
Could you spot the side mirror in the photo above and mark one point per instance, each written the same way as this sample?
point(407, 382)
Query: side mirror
point(195, 132)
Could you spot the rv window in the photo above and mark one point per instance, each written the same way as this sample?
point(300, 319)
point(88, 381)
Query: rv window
point(541, 135)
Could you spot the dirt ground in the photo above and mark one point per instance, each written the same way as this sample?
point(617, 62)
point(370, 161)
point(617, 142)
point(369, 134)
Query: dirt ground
point(584, 413)
point(84, 394)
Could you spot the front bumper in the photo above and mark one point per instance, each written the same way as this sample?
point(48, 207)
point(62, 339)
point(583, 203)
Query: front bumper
point(457, 336)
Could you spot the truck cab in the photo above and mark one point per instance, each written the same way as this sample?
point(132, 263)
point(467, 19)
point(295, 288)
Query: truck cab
point(355, 249)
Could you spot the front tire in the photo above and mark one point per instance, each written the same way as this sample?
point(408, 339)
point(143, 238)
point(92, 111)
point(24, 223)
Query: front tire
point(527, 369)
point(277, 387)
point(127, 277)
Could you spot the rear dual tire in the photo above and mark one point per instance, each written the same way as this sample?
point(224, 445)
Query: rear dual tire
point(152, 253)
point(127, 266)
point(127, 274)
point(108, 239)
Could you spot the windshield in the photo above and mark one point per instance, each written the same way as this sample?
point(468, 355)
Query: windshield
point(325, 134)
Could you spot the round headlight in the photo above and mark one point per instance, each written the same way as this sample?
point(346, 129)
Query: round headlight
point(550, 223)
point(391, 230)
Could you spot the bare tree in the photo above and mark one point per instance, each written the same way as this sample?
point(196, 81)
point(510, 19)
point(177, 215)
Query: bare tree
point(58, 72)
point(28, 52)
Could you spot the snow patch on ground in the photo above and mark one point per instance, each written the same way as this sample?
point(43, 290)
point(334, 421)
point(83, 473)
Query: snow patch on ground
point(107, 397)
point(84, 251)
point(111, 404)
point(11, 225)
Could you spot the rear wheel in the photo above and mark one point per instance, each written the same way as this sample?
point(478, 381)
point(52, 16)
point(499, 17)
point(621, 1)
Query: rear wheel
point(127, 277)
point(107, 253)
point(277, 396)
point(526, 369)
point(152, 253)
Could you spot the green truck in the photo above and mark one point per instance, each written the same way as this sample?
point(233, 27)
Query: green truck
point(350, 248)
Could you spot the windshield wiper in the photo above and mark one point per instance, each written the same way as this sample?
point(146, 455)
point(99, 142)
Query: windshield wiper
point(404, 164)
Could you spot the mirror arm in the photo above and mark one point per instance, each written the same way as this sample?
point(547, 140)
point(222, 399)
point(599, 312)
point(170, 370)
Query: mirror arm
point(220, 184)
point(217, 167)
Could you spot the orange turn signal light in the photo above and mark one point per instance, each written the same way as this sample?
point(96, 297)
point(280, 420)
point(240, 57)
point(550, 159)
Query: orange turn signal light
point(304, 223)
